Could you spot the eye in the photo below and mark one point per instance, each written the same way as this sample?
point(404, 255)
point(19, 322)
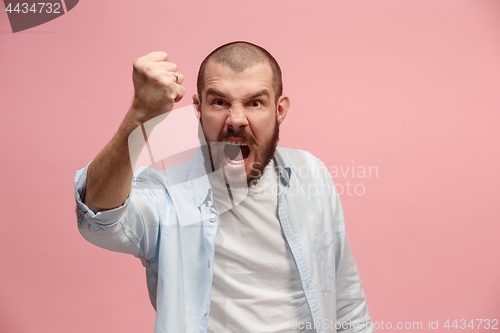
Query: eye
point(218, 102)
point(256, 103)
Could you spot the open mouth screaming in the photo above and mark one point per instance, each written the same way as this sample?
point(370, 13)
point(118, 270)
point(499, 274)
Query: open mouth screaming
point(236, 152)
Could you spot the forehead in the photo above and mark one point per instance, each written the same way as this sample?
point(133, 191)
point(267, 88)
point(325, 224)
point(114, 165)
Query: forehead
point(222, 78)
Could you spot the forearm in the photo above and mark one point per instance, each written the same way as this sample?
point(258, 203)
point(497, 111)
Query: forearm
point(109, 176)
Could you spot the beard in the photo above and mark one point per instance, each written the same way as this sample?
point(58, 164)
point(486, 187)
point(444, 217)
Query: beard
point(267, 154)
point(263, 154)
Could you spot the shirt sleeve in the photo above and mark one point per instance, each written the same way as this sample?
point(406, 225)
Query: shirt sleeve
point(352, 308)
point(131, 228)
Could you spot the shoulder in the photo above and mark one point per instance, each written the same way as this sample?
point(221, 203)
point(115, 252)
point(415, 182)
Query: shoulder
point(303, 166)
point(295, 158)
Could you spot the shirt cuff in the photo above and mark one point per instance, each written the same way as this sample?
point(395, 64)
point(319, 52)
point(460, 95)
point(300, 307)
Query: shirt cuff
point(101, 220)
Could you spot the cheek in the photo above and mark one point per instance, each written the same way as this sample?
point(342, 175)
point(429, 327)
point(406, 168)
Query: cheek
point(213, 124)
point(262, 129)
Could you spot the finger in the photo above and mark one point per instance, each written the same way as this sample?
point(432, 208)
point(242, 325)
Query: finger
point(165, 77)
point(156, 56)
point(180, 93)
point(153, 68)
point(149, 59)
point(178, 77)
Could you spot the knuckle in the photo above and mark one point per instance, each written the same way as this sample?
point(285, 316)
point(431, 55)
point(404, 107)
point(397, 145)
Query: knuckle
point(157, 77)
point(137, 63)
point(147, 68)
point(165, 84)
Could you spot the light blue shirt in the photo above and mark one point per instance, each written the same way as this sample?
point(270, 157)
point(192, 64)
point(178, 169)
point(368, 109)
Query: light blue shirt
point(169, 222)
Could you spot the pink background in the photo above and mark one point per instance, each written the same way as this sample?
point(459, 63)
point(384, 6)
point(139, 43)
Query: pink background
point(411, 87)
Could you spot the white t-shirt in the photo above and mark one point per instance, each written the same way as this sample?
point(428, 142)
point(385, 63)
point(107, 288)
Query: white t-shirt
point(256, 285)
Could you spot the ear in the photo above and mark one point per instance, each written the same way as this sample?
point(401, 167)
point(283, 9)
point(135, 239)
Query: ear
point(197, 105)
point(282, 109)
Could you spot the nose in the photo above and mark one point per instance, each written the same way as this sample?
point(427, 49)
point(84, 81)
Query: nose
point(237, 119)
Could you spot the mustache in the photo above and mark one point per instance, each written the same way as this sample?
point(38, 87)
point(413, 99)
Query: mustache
point(231, 133)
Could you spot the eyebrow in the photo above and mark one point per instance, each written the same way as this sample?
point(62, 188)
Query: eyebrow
point(263, 92)
point(211, 91)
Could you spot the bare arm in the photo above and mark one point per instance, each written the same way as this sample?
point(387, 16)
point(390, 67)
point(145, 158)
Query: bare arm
point(109, 176)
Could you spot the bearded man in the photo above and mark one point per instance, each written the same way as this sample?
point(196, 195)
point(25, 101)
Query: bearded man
point(230, 240)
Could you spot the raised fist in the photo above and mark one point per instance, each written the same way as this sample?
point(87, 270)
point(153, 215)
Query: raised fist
point(157, 86)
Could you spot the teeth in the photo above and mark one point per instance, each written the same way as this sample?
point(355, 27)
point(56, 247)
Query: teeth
point(236, 143)
point(236, 162)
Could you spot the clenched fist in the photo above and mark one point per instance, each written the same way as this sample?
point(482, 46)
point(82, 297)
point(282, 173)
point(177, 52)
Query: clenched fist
point(157, 86)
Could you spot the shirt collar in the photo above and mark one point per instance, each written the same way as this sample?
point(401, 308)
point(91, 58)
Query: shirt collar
point(284, 172)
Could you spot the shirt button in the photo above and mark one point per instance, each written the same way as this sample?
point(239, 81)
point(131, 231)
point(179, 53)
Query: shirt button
point(198, 202)
point(212, 218)
point(208, 263)
point(204, 312)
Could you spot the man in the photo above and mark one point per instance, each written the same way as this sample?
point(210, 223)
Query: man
point(230, 240)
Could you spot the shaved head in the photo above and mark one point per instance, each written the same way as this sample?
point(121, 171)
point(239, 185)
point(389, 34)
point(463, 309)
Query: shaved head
point(239, 56)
